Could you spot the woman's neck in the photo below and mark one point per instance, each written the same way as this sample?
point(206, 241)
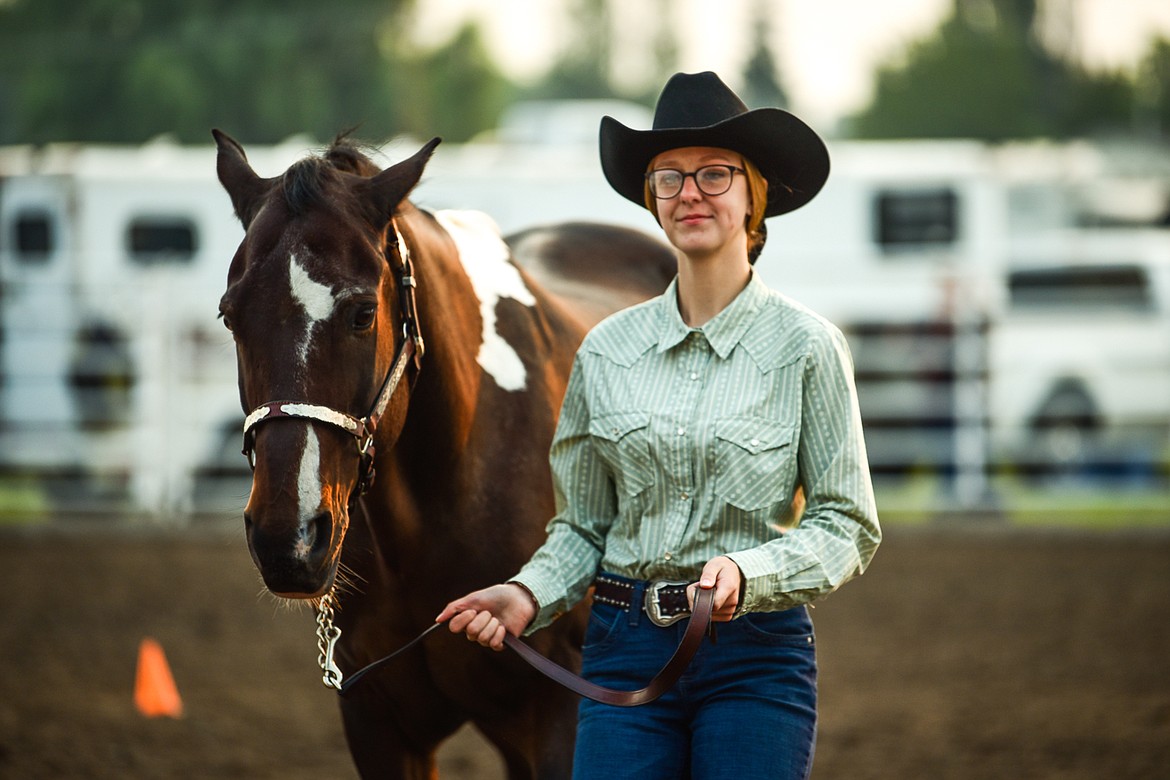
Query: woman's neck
point(706, 285)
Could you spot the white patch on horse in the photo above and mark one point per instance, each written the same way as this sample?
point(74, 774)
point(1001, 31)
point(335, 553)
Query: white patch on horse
point(308, 490)
point(315, 298)
point(486, 260)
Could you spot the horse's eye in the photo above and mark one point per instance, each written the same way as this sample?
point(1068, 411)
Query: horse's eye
point(363, 316)
point(227, 321)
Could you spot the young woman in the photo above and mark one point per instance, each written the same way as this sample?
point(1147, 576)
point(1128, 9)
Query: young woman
point(691, 426)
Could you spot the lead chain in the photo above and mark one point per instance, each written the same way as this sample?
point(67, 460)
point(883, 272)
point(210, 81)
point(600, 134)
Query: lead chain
point(327, 636)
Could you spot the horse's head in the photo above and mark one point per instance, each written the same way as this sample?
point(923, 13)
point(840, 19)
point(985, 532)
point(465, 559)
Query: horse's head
point(316, 306)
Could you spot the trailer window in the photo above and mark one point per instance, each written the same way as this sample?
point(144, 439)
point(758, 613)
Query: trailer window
point(1081, 287)
point(32, 236)
point(906, 219)
point(161, 240)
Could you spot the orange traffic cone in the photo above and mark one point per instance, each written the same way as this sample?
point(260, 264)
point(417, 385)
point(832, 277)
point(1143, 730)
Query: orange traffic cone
point(155, 694)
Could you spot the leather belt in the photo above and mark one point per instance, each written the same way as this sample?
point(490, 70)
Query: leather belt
point(665, 601)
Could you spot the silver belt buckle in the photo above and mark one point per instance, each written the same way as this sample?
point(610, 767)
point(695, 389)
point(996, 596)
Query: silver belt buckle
point(653, 611)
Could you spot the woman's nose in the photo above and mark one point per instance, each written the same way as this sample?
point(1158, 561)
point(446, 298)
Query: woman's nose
point(690, 189)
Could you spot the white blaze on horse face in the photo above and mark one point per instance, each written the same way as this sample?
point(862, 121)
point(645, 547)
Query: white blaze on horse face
point(315, 298)
point(485, 258)
point(317, 301)
point(308, 488)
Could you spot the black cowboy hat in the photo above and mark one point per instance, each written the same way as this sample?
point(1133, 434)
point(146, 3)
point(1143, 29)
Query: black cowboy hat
point(698, 109)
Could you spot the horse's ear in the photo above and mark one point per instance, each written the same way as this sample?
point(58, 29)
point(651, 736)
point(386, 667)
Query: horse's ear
point(246, 189)
point(383, 193)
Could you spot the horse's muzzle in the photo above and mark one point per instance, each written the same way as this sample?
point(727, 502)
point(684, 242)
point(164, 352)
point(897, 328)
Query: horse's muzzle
point(294, 563)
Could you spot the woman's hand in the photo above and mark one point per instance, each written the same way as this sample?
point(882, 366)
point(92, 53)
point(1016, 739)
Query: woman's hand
point(724, 576)
point(486, 615)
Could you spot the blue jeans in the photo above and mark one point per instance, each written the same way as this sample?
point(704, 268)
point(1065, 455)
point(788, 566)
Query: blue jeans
point(744, 709)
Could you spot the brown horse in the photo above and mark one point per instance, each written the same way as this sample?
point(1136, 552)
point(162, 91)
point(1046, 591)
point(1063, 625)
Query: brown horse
point(338, 285)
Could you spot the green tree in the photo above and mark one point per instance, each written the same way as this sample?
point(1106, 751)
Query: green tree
point(664, 46)
point(1152, 100)
point(984, 74)
point(762, 86)
point(128, 70)
point(582, 70)
point(454, 91)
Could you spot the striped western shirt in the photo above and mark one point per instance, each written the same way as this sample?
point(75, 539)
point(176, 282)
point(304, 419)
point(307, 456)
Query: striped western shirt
point(677, 444)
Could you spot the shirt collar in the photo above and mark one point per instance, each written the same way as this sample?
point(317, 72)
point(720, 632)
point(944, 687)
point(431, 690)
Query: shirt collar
point(724, 330)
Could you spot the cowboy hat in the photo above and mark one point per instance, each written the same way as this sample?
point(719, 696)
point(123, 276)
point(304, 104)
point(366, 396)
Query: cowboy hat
point(698, 109)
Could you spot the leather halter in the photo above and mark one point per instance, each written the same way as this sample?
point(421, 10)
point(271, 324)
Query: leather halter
point(363, 429)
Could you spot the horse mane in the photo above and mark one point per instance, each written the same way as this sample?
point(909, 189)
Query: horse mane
point(307, 181)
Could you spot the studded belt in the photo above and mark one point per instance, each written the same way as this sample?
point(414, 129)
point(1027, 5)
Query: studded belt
point(664, 601)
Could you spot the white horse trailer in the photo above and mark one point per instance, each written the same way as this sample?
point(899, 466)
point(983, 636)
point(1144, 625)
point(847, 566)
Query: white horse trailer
point(1080, 353)
point(116, 376)
point(119, 385)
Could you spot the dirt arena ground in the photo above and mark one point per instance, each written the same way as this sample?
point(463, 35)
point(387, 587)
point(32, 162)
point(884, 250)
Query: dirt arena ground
point(979, 652)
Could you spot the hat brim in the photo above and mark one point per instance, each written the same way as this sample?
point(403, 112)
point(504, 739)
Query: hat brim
point(789, 154)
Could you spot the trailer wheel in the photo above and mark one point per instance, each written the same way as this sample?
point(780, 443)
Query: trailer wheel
point(1065, 430)
point(102, 376)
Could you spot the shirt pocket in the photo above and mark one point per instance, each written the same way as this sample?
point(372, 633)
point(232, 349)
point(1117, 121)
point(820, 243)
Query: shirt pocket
point(754, 461)
point(623, 441)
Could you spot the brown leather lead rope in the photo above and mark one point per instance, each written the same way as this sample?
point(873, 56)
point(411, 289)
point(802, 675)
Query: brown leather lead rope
point(663, 681)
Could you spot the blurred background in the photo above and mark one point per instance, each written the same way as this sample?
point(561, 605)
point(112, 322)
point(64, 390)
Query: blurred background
point(994, 238)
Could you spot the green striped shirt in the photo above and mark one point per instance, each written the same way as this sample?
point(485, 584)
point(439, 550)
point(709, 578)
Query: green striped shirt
point(677, 444)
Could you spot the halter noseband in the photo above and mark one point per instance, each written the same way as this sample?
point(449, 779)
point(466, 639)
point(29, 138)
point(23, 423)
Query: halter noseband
point(363, 429)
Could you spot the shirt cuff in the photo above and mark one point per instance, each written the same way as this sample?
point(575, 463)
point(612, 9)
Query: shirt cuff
point(763, 582)
point(544, 594)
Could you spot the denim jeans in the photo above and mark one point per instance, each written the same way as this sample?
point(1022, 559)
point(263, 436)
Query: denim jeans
point(744, 709)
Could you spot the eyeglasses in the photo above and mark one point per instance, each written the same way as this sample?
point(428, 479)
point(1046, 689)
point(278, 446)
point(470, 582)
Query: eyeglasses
point(667, 183)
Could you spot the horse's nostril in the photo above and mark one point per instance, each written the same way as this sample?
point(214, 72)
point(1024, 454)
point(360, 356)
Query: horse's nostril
point(318, 534)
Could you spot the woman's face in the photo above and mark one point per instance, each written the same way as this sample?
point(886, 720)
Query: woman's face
point(698, 224)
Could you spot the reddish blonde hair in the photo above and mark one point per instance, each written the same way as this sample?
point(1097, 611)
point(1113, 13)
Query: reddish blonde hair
point(758, 192)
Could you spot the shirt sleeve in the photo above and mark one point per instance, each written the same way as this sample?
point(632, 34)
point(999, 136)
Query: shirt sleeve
point(839, 531)
point(562, 569)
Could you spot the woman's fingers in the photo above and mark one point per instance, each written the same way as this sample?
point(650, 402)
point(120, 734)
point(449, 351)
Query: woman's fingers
point(722, 574)
point(458, 621)
point(475, 615)
point(482, 628)
point(508, 605)
point(721, 613)
point(479, 626)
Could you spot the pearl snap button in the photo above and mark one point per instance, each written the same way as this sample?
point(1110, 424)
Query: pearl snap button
point(755, 442)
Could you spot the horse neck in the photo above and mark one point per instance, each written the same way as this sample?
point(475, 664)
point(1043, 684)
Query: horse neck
point(416, 471)
point(463, 431)
point(443, 402)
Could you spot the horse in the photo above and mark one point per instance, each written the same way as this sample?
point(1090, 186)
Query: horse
point(402, 374)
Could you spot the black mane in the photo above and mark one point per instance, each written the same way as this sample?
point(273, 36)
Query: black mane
point(306, 183)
